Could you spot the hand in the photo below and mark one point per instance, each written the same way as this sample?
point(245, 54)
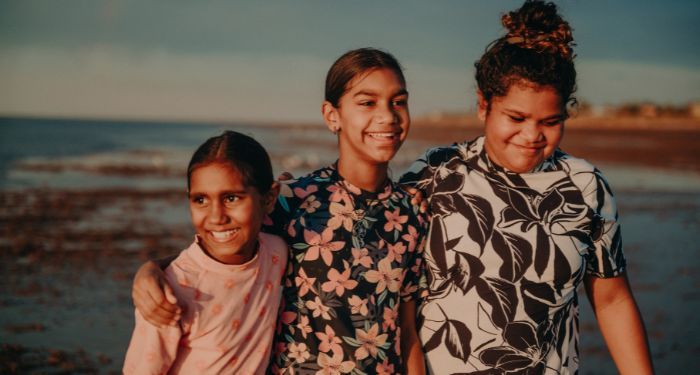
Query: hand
point(417, 197)
point(153, 297)
point(285, 176)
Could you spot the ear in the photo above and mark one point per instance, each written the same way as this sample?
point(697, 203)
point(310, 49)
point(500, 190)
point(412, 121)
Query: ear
point(330, 116)
point(482, 105)
point(270, 198)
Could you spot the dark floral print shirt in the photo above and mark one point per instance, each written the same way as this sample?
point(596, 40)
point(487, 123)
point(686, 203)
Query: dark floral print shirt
point(354, 256)
point(505, 254)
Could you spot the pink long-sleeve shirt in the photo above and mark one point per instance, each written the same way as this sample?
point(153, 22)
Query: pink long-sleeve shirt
point(229, 317)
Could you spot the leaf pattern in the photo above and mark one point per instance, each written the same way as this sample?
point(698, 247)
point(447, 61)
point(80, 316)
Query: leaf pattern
point(505, 256)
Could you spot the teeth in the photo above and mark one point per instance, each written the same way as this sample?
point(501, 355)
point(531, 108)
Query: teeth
point(222, 236)
point(382, 135)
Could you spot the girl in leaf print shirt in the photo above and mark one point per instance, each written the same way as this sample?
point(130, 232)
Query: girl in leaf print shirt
point(517, 224)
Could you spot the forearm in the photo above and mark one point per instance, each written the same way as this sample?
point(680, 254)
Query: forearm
point(624, 333)
point(620, 323)
point(411, 350)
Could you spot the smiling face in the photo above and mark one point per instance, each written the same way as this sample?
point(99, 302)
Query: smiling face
point(226, 213)
point(371, 118)
point(524, 127)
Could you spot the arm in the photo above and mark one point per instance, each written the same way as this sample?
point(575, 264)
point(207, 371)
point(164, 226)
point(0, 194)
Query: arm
point(620, 323)
point(410, 343)
point(152, 350)
point(152, 295)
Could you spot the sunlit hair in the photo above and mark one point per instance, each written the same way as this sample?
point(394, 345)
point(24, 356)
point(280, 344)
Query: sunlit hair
point(354, 63)
point(537, 50)
point(239, 151)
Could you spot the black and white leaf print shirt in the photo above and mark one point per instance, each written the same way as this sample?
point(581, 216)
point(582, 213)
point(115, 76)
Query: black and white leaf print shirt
point(505, 254)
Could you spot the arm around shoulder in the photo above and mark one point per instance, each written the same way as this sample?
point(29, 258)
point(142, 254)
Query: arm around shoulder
point(152, 295)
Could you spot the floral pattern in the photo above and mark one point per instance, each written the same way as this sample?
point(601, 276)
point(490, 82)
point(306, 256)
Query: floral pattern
point(354, 257)
point(504, 256)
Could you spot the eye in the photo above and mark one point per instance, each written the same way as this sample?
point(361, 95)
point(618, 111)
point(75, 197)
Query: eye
point(399, 103)
point(230, 199)
point(553, 123)
point(198, 200)
point(367, 103)
point(516, 118)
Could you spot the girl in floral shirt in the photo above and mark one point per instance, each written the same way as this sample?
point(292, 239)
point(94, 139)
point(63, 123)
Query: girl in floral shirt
point(349, 300)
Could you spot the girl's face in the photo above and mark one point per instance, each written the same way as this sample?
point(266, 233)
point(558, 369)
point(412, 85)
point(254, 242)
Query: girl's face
point(226, 213)
point(371, 119)
point(524, 127)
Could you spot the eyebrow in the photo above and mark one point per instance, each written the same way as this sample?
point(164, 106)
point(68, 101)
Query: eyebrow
point(521, 114)
point(225, 192)
point(372, 93)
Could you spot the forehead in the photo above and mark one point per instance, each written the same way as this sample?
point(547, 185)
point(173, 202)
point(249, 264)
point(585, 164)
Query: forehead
point(215, 176)
point(376, 79)
point(531, 97)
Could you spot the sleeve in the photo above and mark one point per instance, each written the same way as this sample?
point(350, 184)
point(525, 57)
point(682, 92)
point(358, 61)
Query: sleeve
point(419, 174)
point(276, 222)
point(152, 350)
point(605, 258)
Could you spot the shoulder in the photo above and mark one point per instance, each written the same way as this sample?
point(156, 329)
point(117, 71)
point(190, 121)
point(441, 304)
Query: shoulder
point(572, 163)
point(581, 171)
point(437, 156)
point(273, 244)
point(300, 187)
point(588, 179)
point(444, 159)
point(184, 270)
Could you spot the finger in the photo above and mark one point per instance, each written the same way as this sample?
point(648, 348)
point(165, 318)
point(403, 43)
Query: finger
point(165, 301)
point(169, 294)
point(284, 176)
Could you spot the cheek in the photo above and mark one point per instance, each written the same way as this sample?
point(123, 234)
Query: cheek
point(554, 136)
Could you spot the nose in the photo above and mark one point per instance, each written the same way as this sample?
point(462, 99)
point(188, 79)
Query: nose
point(386, 114)
point(216, 214)
point(530, 131)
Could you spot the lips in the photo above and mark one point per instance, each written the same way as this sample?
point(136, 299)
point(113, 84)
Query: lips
point(530, 148)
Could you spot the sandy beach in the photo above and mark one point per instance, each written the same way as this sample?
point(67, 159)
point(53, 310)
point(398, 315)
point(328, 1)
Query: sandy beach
point(68, 254)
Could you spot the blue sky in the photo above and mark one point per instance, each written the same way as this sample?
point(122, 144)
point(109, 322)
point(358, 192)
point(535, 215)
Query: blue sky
point(266, 60)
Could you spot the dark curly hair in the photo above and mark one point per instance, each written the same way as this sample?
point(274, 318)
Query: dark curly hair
point(537, 49)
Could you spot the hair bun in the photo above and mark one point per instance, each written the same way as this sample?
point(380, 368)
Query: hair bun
point(537, 25)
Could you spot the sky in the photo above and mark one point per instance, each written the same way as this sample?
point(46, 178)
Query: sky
point(266, 61)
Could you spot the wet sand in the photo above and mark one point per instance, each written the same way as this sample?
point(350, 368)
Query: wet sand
point(67, 256)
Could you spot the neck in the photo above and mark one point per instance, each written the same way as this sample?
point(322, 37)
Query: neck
point(366, 176)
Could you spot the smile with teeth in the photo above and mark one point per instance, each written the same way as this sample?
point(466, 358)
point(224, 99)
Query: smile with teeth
point(223, 236)
point(384, 135)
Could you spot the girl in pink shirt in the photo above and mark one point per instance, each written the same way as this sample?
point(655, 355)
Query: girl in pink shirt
point(228, 280)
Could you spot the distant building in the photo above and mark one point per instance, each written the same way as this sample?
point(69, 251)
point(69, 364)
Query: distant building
point(648, 110)
point(694, 109)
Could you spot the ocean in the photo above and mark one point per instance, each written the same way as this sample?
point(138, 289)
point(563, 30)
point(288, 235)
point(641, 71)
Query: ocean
point(85, 202)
